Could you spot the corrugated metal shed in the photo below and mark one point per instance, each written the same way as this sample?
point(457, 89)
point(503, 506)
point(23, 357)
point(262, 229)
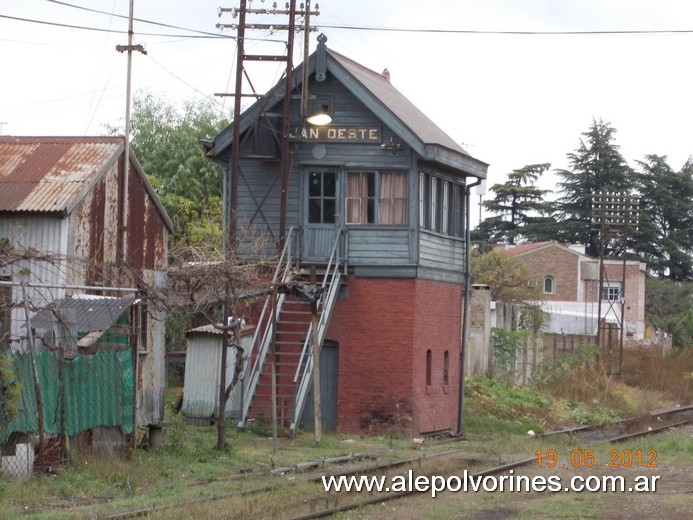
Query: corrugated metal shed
point(202, 370)
point(77, 394)
point(50, 174)
point(90, 313)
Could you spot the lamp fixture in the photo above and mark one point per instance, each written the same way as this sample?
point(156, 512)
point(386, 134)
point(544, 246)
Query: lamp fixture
point(319, 119)
point(392, 146)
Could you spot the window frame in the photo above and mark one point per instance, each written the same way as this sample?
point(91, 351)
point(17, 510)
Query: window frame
point(611, 291)
point(441, 204)
point(400, 179)
point(552, 280)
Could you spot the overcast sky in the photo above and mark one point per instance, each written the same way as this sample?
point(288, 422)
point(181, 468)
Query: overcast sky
point(510, 99)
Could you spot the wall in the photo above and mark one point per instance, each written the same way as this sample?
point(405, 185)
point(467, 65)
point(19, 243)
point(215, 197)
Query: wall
point(374, 327)
point(479, 356)
point(557, 262)
point(384, 329)
point(438, 327)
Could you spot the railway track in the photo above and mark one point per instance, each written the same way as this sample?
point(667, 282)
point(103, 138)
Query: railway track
point(320, 504)
point(653, 423)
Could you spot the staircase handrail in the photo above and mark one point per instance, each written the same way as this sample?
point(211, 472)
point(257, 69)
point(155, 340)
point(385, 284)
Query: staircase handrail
point(250, 373)
point(330, 285)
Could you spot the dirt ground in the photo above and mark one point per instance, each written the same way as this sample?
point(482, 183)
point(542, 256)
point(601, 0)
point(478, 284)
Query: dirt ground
point(672, 500)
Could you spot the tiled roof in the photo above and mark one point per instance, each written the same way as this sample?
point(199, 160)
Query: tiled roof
point(524, 248)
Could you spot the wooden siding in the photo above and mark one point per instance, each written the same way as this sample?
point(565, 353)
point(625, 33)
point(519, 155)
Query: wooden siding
point(404, 249)
point(440, 252)
point(379, 246)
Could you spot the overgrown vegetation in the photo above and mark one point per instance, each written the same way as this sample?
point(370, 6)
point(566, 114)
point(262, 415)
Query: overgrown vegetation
point(579, 389)
point(10, 390)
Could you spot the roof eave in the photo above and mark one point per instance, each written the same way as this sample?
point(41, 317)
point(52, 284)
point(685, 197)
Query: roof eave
point(445, 156)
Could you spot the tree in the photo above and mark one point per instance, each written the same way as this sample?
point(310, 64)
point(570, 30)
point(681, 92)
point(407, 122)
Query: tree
point(167, 143)
point(596, 166)
point(505, 275)
point(518, 204)
point(669, 307)
point(664, 239)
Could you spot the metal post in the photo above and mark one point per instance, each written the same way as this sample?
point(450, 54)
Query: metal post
point(221, 413)
point(316, 361)
point(273, 354)
point(465, 308)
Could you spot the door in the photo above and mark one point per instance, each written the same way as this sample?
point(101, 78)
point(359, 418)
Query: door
point(329, 368)
point(321, 214)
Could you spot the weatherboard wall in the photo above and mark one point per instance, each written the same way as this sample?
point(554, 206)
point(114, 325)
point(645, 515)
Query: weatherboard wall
point(370, 249)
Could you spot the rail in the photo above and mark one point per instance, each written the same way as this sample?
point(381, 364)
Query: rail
point(304, 370)
point(255, 357)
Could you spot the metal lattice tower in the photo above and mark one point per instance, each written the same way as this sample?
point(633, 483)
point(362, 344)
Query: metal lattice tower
point(615, 215)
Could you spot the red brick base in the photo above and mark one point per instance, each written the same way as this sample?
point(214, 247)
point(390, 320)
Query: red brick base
point(384, 330)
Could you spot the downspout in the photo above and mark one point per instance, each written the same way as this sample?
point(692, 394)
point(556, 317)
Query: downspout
point(467, 290)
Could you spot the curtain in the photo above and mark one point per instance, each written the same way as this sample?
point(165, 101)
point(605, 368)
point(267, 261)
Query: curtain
point(393, 198)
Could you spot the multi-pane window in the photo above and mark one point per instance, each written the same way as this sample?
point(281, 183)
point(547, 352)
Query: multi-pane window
point(322, 191)
point(441, 204)
point(360, 199)
point(389, 189)
point(611, 291)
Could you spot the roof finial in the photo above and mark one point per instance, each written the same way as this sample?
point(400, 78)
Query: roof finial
point(385, 74)
point(321, 59)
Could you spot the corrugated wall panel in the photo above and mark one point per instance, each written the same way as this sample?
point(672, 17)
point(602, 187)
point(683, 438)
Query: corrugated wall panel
point(94, 390)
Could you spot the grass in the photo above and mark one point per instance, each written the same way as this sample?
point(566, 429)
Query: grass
point(497, 419)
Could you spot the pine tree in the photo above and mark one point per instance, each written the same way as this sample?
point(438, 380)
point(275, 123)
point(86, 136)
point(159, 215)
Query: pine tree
point(596, 166)
point(664, 239)
point(518, 205)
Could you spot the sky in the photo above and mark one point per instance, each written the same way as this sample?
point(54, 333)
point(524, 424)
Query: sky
point(505, 78)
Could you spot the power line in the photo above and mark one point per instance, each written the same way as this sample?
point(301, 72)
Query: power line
point(204, 35)
point(99, 29)
point(161, 24)
point(511, 33)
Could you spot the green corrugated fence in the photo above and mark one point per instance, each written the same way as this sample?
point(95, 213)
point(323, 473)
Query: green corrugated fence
point(77, 394)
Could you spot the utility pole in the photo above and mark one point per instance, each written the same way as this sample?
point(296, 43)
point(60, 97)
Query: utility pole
point(124, 194)
point(242, 13)
point(128, 94)
point(233, 173)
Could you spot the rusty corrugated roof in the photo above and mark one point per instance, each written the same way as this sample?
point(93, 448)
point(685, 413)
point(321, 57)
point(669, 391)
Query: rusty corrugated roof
point(47, 174)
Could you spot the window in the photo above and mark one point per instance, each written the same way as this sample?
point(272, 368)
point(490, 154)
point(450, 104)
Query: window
point(441, 205)
point(445, 209)
point(423, 191)
point(360, 200)
point(322, 191)
point(389, 189)
point(611, 291)
point(393, 198)
point(549, 285)
point(429, 356)
point(446, 368)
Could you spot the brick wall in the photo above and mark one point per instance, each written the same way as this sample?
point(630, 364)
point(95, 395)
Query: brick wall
point(556, 262)
point(384, 329)
point(634, 288)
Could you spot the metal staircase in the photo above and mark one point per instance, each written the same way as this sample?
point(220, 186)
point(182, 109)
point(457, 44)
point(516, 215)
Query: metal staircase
point(281, 347)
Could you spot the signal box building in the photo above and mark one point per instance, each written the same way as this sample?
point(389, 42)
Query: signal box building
point(376, 201)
